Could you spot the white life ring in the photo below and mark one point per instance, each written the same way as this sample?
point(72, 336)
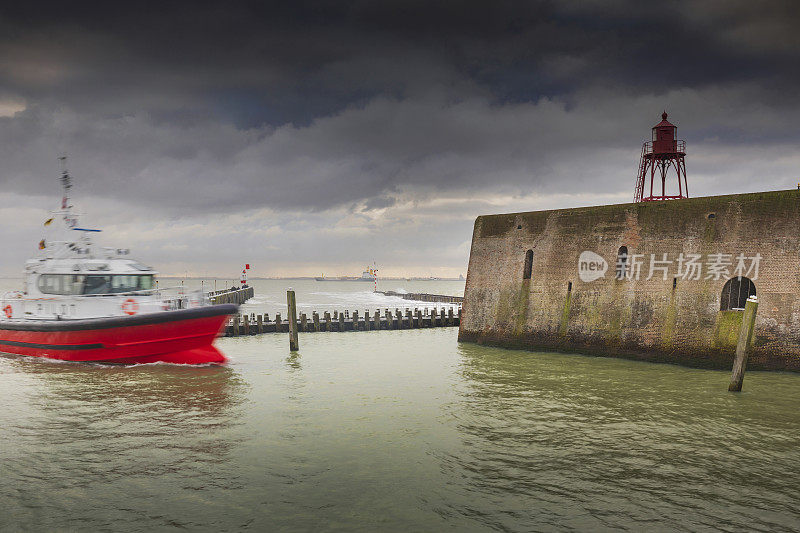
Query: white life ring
point(130, 307)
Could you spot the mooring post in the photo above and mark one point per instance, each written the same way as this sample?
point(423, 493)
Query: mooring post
point(303, 322)
point(377, 320)
point(236, 326)
point(327, 321)
point(341, 322)
point(366, 320)
point(294, 343)
point(744, 343)
point(315, 318)
point(259, 324)
point(355, 320)
point(278, 323)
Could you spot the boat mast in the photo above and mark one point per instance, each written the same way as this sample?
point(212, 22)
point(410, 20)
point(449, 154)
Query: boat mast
point(69, 243)
point(66, 182)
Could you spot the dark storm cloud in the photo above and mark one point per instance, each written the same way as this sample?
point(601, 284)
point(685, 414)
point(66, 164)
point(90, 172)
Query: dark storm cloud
point(365, 105)
point(275, 62)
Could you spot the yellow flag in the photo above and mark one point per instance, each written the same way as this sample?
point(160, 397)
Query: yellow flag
point(48, 221)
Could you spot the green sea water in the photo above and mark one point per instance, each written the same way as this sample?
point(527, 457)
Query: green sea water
point(395, 431)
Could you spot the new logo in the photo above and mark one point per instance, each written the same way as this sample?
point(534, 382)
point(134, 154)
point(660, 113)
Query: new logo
point(591, 266)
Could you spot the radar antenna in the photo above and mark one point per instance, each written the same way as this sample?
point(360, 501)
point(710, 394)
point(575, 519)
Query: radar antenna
point(66, 181)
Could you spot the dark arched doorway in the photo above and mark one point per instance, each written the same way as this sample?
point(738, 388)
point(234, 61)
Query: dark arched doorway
point(735, 293)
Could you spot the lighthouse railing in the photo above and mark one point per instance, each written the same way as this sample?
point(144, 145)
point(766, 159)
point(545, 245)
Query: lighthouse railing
point(677, 147)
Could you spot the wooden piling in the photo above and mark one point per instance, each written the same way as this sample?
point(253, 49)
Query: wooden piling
point(315, 318)
point(355, 321)
point(278, 323)
point(294, 343)
point(327, 321)
point(341, 321)
point(366, 321)
point(236, 326)
point(744, 343)
point(246, 325)
point(259, 324)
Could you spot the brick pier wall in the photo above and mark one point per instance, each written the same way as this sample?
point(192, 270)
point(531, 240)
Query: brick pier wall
point(670, 317)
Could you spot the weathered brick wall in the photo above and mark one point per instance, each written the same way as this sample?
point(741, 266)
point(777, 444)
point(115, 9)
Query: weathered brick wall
point(673, 319)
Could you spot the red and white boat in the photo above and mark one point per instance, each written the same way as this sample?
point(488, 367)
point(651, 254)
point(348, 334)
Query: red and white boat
point(84, 303)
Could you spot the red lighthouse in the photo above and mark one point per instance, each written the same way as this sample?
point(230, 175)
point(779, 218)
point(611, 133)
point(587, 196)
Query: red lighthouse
point(658, 157)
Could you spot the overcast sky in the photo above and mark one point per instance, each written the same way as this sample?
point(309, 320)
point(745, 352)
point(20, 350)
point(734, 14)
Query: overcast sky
point(310, 137)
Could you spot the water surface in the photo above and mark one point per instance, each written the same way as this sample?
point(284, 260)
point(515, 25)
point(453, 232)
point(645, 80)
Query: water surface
point(396, 431)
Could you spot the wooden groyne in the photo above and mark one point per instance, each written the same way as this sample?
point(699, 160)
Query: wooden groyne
point(254, 324)
point(424, 297)
point(236, 296)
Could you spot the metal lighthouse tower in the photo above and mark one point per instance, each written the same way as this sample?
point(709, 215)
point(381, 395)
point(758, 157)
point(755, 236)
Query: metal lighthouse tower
point(660, 155)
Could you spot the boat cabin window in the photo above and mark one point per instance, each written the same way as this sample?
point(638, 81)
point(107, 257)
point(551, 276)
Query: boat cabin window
point(74, 284)
point(61, 284)
point(110, 284)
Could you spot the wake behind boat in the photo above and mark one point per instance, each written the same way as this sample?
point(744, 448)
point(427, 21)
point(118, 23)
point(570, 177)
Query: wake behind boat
point(84, 303)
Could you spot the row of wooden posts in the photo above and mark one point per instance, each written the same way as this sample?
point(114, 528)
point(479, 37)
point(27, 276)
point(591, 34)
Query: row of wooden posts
point(424, 297)
point(236, 296)
point(255, 324)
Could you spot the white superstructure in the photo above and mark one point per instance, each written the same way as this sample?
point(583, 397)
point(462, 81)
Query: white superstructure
point(72, 278)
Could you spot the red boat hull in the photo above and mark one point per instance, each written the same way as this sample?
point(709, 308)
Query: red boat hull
point(180, 337)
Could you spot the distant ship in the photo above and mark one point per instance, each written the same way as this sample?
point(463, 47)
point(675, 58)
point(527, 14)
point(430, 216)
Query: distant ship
point(370, 274)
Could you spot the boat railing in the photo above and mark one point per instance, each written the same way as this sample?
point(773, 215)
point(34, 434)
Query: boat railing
point(177, 297)
point(12, 295)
